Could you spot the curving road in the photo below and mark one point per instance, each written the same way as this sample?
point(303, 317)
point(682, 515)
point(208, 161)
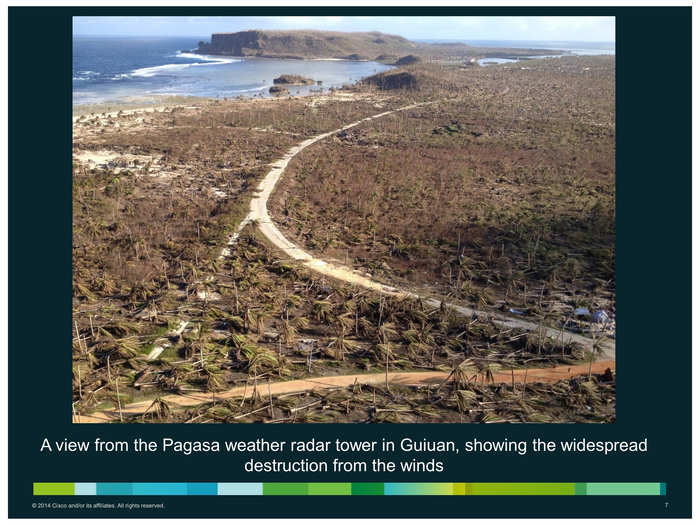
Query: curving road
point(260, 216)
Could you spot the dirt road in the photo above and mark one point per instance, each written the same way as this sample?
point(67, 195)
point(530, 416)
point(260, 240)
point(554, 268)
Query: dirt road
point(259, 214)
point(175, 401)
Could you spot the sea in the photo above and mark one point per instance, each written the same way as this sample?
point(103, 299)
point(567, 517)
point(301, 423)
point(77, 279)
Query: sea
point(567, 48)
point(146, 69)
point(124, 69)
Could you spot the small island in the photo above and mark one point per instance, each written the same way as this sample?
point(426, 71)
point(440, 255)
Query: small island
point(278, 90)
point(293, 80)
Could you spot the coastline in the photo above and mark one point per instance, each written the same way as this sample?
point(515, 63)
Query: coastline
point(166, 102)
point(159, 102)
point(135, 104)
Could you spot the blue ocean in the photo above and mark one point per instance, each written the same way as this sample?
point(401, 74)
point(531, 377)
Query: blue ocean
point(123, 69)
point(566, 47)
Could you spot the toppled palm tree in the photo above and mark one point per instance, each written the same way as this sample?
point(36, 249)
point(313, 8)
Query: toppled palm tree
point(160, 408)
point(384, 352)
point(214, 378)
point(339, 343)
point(385, 332)
point(261, 360)
point(462, 374)
point(323, 311)
point(290, 329)
point(260, 317)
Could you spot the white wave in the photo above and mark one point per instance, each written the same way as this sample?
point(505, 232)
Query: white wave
point(151, 71)
point(85, 75)
point(208, 58)
point(251, 89)
point(209, 61)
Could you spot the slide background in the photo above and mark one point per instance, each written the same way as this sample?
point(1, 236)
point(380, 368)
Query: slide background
point(653, 306)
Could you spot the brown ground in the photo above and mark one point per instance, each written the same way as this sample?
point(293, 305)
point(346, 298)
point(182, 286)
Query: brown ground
point(493, 200)
point(152, 213)
point(580, 399)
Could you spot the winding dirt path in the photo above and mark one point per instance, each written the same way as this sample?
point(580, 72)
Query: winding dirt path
point(260, 217)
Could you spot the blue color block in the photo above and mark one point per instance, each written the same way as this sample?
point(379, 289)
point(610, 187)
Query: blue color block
point(202, 489)
point(240, 489)
point(114, 489)
point(85, 489)
point(160, 489)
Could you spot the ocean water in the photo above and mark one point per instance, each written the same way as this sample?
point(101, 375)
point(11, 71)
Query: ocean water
point(123, 69)
point(568, 48)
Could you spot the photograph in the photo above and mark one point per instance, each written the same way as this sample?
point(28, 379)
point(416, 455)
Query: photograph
point(343, 219)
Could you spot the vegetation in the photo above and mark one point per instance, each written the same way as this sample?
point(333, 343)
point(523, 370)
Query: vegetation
point(501, 197)
point(393, 80)
point(407, 60)
point(578, 400)
point(165, 303)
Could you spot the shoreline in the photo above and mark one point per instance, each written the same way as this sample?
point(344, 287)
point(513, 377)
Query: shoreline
point(169, 101)
point(114, 107)
point(135, 101)
point(141, 103)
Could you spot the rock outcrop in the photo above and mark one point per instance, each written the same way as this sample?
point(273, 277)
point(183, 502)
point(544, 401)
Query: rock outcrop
point(393, 80)
point(407, 60)
point(293, 80)
point(306, 44)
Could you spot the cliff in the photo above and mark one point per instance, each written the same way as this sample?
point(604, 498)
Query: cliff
point(307, 44)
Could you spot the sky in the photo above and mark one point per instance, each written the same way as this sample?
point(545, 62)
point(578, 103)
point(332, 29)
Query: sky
point(590, 29)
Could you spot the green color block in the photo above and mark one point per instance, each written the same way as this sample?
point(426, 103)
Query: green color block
point(425, 489)
point(285, 489)
point(460, 489)
point(437, 489)
point(368, 489)
point(623, 489)
point(54, 489)
point(580, 489)
point(330, 489)
point(523, 489)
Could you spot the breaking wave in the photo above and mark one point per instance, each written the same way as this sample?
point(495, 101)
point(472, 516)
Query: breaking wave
point(208, 61)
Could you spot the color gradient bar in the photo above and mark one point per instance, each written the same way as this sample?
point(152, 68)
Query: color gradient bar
point(349, 489)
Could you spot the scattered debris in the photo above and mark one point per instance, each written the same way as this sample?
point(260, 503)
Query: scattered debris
point(582, 312)
point(600, 316)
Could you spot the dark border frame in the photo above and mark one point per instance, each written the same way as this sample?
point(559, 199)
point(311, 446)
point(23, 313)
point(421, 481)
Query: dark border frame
point(654, 273)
